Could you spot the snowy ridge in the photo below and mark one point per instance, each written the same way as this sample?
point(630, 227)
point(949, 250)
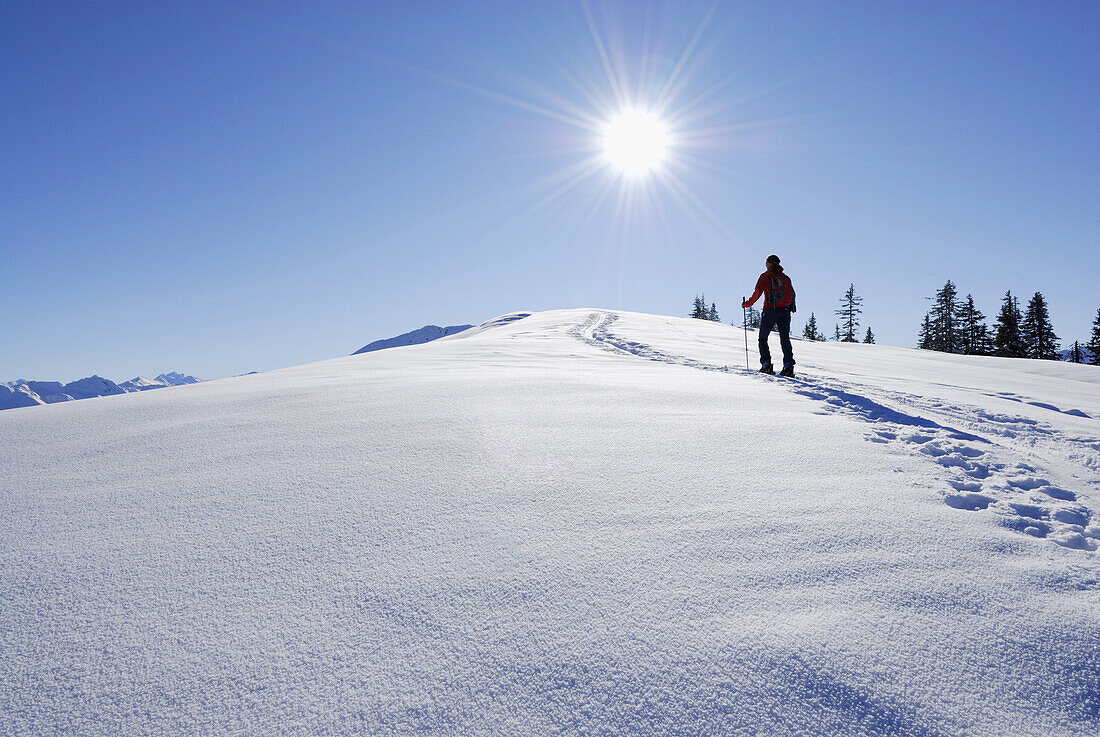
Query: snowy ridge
point(425, 334)
point(569, 522)
point(49, 391)
point(18, 395)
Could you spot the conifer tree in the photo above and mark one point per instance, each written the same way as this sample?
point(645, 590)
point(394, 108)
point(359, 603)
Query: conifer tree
point(869, 337)
point(1039, 338)
point(849, 313)
point(810, 332)
point(1093, 345)
point(1075, 354)
point(1008, 341)
point(712, 314)
point(837, 335)
point(924, 337)
point(699, 311)
point(975, 340)
point(943, 318)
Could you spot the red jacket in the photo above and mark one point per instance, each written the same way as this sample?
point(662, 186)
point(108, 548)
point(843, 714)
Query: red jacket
point(776, 288)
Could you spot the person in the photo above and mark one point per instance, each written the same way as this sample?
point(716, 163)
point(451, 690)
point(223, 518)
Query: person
point(778, 306)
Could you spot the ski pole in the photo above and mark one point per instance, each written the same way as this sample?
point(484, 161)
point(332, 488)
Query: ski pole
point(745, 328)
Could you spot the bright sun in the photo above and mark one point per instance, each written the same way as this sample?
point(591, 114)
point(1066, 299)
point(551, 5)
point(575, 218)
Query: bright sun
point(635, 142)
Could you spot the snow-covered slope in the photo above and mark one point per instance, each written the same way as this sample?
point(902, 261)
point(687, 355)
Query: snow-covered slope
point(425, 334)
point(577, 522)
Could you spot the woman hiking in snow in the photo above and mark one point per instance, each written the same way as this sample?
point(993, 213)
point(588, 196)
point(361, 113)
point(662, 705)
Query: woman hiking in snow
point(778, 306)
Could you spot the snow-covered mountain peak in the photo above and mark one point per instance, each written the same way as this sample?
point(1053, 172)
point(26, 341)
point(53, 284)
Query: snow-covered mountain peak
point(92, 386)
point(141, 383)
point(175, 378)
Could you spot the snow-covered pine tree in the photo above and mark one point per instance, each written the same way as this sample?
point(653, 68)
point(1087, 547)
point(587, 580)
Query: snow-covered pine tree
point(924, 337)
point(869, 337)
point(1093, 345)
point(810, 332)
point(712, 314)
point(975, 333)
point(849, 313)
point(1038, 333)
point(1076, 355)
point(699, 310)
point(1008, 342)
point(944, 317)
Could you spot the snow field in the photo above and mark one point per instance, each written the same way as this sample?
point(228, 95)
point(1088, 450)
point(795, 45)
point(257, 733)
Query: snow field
point(577, 522)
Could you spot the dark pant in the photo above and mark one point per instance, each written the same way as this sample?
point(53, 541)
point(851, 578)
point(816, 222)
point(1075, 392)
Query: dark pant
point(780, 318)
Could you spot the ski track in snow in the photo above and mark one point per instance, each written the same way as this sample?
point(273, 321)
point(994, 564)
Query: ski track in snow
point(979, 472)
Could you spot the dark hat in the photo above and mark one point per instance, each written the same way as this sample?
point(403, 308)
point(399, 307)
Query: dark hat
point(773, 259)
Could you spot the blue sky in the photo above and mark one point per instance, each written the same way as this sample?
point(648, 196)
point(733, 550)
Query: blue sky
point(225, 187)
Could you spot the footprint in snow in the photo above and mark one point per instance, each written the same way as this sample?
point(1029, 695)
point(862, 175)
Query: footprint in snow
point(1053, 491)
point(971, 468)
point(1028, 510)
point(1027, 483)
point(970, 501)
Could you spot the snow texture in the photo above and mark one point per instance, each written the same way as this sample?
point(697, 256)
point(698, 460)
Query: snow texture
point(569, 522)
point(425, 334)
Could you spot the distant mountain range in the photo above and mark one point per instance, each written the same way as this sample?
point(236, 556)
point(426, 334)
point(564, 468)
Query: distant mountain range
point(425, 334)
point(24, 393)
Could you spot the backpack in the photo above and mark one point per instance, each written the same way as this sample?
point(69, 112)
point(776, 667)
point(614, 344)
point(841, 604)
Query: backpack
point(780, 293)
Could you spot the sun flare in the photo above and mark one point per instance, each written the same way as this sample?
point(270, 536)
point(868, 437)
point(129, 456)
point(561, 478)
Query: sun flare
point(635, 142)
point(651, 122)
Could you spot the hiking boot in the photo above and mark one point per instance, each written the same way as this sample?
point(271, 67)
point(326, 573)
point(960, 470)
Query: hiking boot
point(787, 371)
point(767, 369)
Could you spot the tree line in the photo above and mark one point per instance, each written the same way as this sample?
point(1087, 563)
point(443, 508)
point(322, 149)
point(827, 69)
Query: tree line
point(954, 324)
